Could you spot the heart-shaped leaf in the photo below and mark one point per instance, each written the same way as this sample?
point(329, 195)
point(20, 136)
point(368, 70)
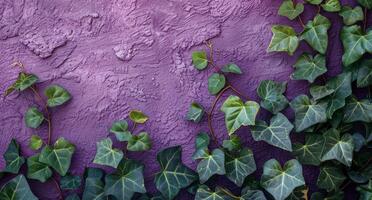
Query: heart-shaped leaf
point(315, 33)
point(195, 112)
point(140, 142)
point(13, 159)
point(338, 148)
point(331, 5)
point(204, 193)
point(17, 189)
point(106, 155)
point(311, 152)
point(199, 60)
point(271, 93)
point(284, 39)
point(358, 110)
point(231, 68)
point(233, 144)
point(364, 76)
point(33, 117)
point(216, 82)
point(70, 182)
point(211, 164)
point(320, 91)
point(56, 95)
point(24, 81)
point(239, 114)
point(355, 43)
point(289, 10)
point(37, 170)
point(120, 129)
point(366, 3)
point(351, 15)
point(35, 142)
point(138, 116)
point(330, 177)
point(309, 68)
point(276, 134)
point(94, 186)
point(239, 165)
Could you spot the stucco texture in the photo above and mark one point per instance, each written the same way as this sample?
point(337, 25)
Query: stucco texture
point(118, 55)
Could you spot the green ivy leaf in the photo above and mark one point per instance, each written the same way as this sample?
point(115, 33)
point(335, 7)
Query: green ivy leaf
point(284, 39)
point(330, 178)
point(233, 144)
point(338, 148)
point(248, 194)
point(309, 68)
point(70, 182)
point(195, 112)
point(12, 158)
point(364, 76)
point(365, 191)
point(106, 155)
point(332, 5)
point(35, 142)
point(239, 114)
point(140, 142)
point(33, 117)
point(201, 146)
point(24, 81)
point(138, 116)
point(120, 129)
point(56, 95)
point(355, 43)
point(311, 152)
point(315, 2)
point(216, 82)
point(366, 3)
point(276, 134)
point(58, 156)
point(73, 196)
point(289, 10)
point(299, 193)
point(359, 141)
point(174, 175)
point(199, 60)
point(94, 186)
point(272, 96)
point(358, 110)
point(315, 33)
point(37, 170)
point(280, 182)
point(204, 193)
point(320, 91)
point(307, 113)
point(127, 180)
point(211, 164)
point(231, 68)
point(351, 15)
point(239, 166)
point(17, 189)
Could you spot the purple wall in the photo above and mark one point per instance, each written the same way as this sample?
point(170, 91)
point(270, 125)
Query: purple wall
point(118, 55)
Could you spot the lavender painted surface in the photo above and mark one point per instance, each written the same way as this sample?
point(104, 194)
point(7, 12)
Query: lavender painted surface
point(114, 56)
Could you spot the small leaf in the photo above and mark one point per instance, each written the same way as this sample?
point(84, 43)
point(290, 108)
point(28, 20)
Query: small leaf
point(13, 159)
point(231, 68)
point(358, 110)
point(311, 152)
point(330, 178)
point(239, 166)
point(211, 164)
point(33, 117)
point(140, 142)
point(138, 116)
point(106, 155)
point(216, 82)
point(233, 144)
point(37, 170)
point(315, 2)
point(56, 95)
point(351, 15)
point(338, 148)
point(25, 81)
point(309, 68)
point(356, 43)
point(284, 39)
point(17, 189)
point(315, 33)
point(289, 10)
point(201, 146)
point(70, 182)
point(364, 76)
point(331, 5)
point(195, 112)
point(94, 186)
point(320, 91)
point(120, 129)
point(272, 96)
point(366, 3)
point(35, 142)
point(204, 193)
point(199, 60)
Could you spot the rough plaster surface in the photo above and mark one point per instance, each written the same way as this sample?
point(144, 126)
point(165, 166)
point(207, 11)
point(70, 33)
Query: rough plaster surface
point(118, 55)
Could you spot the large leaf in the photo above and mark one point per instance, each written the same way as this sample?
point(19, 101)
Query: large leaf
point(17, 189)
point(195, 112)
point(288, 9)
point(309, 68)
point(315, 33)
point(248, 194)
point(356, 43)
point(332, 5)
point(338, 148)
point(106, 155)
point(199, 60)
point(33, 117)
point(351, 15)
point(58, 156)
point(320, 91)
point(120, 129)
point(138, 116)
point(204, 193)
point(330, 177)
point(70, 182)
point(239, 114)
point(127, 180)
point(284, 39)
point(13, 159)
point(140, 142)
point(24, 81)
point(216, 82)
point(239, 166)
point(174, 175)
point(56, 95)
point(307, 113)
point(366, 3)
point(280, 182)
point(211, 164)
point(37, 170)
point(94, 186)
point(311, 152)
point(358, 110)
point(364, 76)
point(272, 96)
point(276, 134)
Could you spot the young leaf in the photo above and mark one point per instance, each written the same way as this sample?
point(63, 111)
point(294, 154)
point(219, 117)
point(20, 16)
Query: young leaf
point(284, 39)
point(216, 82)
point(174, 175)
point(309, 68)
point(331, 5)
point(56, 95)
point(37, 170)
point(127, 180)
point(199, 60)
point(239, 166)
point(24, 81)
point(12, 158)
point(239, 114)
point(366, 3)
point(204, 193)
point(358, 110)
point(276, 134)
point(120, 129)
point(320, 91)
point(195, 112)
point(289, 10)
point(70, 182)
point(271, 93)
point(231, 68)
point(233, 144)
point(351, 15)
point(94, 186)
point(315, 33)
point(58, 156)
point(315, 2)
point(280, 182)
point(338, 148)
point(211, 164)
point(138, 116)
point(17, 189)
point(35, 142)
point(355, 43)
point(311, 152)
point(330, 178)
point(364, 76)
point(106, 155)
point(33, 117)
point(140, 142)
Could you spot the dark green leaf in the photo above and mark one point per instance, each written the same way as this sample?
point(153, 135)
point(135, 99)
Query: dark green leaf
point(33, 117)
point(365, 191)
point(300, 193)
point(358, 110)
point(25, 81)
point(357, 177)
point(211, 164)
point(248, 194)
point(366, 3)
point(284, 39)
point(120, 129)
point(309, 68)
point(138, 116)
point(204, 193)
point(106, 155)
point(272, 96)
point(331, 5)
point(70, 182)
point(351, 15)
point(17, 189)
point(239, 166)
point(233, 144)
point(311, 152)
point(201, 146)
point(216, 82)
point(364, 76)
point(94, 186)
point(359, 141)
point(330, 178)
point(13, 159)
point(37, 170)
point(231, 68)
point(35, 142)
point(356, 43)
point(199, 60)
point(289, 10)
point(319, 92)
point(315, 33)
point(72, 197)
point(140, 142)
point(56, 95)
point(338, 148)
point(195, 112)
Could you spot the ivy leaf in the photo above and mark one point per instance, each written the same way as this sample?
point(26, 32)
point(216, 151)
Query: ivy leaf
point(12, 158)
point(58, 156)
point(73, 196)
point(351, 15)
point(195, 112)
point(127, 180)
point(138, 116)
point(17, 189)
point(33, 117)
point(332, 5)
point(35, 142)
point(284, 39)
point(311, 152)
point(300, 193)
point(204, 193)
point(24, 81)
point(37, 170)
point(56, 95)
point(239, 114)
point(358, 110)
point(359, 141)
point(231, 68)
point(309, 68)
point(248, 194)
point(320, 91)
point(233, 144)
point(365, 191)
point(239, 166)
point(211, 164)
point(106, 155)
point(70, 182)
point(276, 134)
point(338, 148)
point(330, 178)
point(289, 10)
point(94, 186)
point(366, 3)
point(120, 129)
point(201, 146)
point(216, 82)
point(315, 2)
point(315, 33)
point(174, 175)
point(199, 60)
point(140, 142)
point(280, 182)
point(272, 96)
point(355, 43)
point(307, 113)
point(364, 76)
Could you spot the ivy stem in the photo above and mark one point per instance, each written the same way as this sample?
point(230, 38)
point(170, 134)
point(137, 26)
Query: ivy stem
point(301, 22)
point(58, 188)
point(237, 91)
point(318, 9)
point(229, 193)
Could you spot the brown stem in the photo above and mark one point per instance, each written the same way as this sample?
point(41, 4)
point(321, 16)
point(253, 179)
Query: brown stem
point(58, 188)
point(237, 92)
point(318, 9)
point(300, 20)
point(134, 127)
point(229, 193)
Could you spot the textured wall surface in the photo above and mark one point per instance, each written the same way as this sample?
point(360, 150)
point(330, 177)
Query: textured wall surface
point(118, 55)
